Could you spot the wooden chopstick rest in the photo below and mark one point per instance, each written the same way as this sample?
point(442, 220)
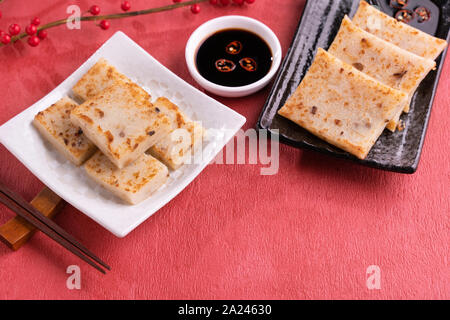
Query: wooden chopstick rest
point(16, 232)
point(21, 207)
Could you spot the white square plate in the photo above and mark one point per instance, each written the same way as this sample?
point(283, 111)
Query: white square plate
point(20, 137)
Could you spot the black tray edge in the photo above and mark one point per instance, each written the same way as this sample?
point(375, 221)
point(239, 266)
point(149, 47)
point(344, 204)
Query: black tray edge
point(399, 169)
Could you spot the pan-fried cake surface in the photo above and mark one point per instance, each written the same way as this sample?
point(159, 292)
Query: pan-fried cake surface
point(175, 148)
point(54, 124)
point(400, 34)
point(98, 78)
point(342, 105)
point(134, 183)
point(381, 60)
point(122, 122)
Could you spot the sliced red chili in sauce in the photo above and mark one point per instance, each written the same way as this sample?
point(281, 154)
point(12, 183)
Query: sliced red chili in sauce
point(224, 65)
point(404, 15)
point(234, 47)
point(398, 4)
point(248, 64)
point(423, 14)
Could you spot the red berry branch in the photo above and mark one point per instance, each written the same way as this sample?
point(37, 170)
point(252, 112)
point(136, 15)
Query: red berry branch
point(36, 33)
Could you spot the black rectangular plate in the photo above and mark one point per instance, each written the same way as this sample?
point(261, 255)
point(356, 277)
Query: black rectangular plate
point(320, 22)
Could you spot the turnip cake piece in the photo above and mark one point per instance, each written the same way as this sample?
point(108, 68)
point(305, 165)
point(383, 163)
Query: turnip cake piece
point(134, 183)
point(101, 76)
point(121, 122)
point(387, 63)
point(54, 125)
point(176, 148)
point(398, 33)
point(342, 105)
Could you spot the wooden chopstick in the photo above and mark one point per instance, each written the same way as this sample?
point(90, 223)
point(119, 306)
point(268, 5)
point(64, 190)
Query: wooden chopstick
point(45, 229)
point(52, 225)
point(16, 231)
point(21, 207)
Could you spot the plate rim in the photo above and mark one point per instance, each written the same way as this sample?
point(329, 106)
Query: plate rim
point(115, 229)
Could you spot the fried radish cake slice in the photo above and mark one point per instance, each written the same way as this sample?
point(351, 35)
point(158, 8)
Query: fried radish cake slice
point(387, 63)
point(134, 183)
point(398, 33)
point(121, 122)
point(101, 76)
point(342, 105)
point(176, 148)
point(54, 125)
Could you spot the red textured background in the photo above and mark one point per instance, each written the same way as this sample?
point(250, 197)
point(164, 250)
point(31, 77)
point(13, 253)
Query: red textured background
point(308, 232)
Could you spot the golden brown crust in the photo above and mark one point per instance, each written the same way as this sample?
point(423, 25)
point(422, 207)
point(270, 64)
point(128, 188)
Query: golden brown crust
point(134, 183)
point(381, 60)
point(175, 148)
point(101, 76)
point(55, 125)
point(122, 122)
point(398, 33)
point(387, 63)
point(342, 105)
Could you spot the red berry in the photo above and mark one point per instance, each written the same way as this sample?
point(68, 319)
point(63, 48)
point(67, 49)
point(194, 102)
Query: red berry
point(5, 38)
point(33, 41)
point(95, 10)
point(176, 1)
point(125, 6)
point(213, 2)
point(239, 2)
point(195, 8)
point(42, 34)
point(31, 29)
point(225, 2)
point(0, 14)
point(14, 29)
point(104, 24)
point(250, 1)
point(36, 21)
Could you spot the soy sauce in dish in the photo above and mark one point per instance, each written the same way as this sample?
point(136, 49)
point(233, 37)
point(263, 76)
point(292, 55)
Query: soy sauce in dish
point(234, 58)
